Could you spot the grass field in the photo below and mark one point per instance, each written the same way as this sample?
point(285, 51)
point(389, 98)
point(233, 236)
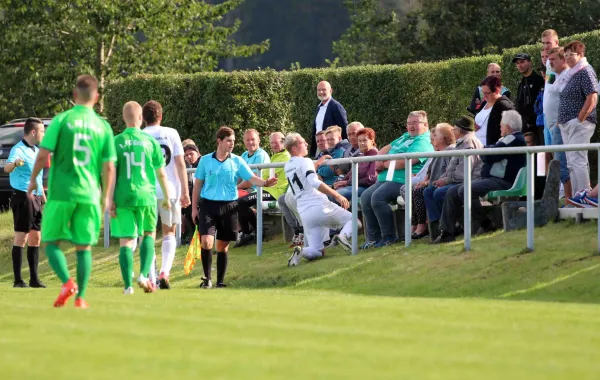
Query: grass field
point(422, 313)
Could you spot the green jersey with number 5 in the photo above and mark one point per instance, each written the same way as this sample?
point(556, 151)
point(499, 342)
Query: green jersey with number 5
point(80, 142)
point(138, 157)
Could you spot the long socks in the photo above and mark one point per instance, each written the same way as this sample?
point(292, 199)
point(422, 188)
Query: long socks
point(169, 245)
point(84, 269)
point(126, 263)
point(17, 260)
point(58, 262)
point(221, 266)
point(146, 255)
point(33, 258)
point(206, 262)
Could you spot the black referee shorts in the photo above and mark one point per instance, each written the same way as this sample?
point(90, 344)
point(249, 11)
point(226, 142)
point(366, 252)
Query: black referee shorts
point(27, 213)
point(218, 217)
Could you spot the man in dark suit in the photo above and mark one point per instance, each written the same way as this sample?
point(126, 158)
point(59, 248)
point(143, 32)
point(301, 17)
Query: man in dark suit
point(329, 112)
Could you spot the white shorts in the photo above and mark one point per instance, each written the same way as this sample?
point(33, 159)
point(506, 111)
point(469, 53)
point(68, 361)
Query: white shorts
point(317, 222)
point(172, 216)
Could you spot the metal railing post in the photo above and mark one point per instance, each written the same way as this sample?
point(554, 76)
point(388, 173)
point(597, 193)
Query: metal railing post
point(467, 202)
point(407, 201)
point(354, 208)
point(259, 218)
point(106, 229)
point(530, 200)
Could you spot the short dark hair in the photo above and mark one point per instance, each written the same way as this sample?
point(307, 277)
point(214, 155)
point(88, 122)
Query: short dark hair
point(30, 125)
point(224, 132)
point(86, 85)
point(494, 83)
point(152, 112)
point(576, 47)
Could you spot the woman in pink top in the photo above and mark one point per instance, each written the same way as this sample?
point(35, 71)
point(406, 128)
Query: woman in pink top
point(367, 175)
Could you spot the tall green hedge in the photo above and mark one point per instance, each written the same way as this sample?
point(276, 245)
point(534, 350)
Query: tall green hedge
point(379, 96)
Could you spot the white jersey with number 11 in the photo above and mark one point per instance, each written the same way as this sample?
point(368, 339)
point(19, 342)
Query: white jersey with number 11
point(301, 176)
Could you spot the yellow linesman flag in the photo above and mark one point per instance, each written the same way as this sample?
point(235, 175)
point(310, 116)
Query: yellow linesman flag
point(193, 253)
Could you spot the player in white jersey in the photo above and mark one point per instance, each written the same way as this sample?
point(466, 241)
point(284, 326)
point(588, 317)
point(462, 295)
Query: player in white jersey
point(170, 142)
point(317, 213)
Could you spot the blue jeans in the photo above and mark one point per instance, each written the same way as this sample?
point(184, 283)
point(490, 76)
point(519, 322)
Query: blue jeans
point(346, 191)
point(434, 200)
point(375, 204)
point(560, 156)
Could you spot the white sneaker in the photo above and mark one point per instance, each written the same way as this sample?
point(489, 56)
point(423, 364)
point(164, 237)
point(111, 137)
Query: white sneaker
point(343, 241)
point(294, 260)
point(332, 243)
point(129, 290)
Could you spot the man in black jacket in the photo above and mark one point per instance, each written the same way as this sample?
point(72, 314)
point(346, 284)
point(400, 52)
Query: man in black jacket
point(498, 173)
point(192, 156)
point(329, 112)
point(529, 88)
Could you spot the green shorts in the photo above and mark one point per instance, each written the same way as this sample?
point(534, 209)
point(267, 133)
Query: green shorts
point(132, 222)
point(78, 223)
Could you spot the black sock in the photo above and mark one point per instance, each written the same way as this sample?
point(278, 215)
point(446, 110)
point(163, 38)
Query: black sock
point(221, 266)
point(17, 259)
point(206, 262)
point(33, 257)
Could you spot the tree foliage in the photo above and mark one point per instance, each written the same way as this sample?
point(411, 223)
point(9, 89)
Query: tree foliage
point(441, 29)
point(47, 43)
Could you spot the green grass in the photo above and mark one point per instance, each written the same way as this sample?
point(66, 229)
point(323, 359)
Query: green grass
point(419, 313)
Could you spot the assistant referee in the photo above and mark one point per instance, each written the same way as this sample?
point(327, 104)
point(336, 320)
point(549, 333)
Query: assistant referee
point(27, 213)
point(215, 191)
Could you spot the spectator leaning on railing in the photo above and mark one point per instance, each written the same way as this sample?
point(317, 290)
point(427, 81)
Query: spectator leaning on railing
point(435, 193)
point(577, 112)
point(498, 173)
point(254, 154)
point(367, 175)
point(376, 199)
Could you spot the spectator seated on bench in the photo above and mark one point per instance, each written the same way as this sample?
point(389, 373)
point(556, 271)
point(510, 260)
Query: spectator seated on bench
point(375, 200)
point(498, 173)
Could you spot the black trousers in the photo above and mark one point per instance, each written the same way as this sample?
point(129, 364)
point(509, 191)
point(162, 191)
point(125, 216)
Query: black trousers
point(246, 215)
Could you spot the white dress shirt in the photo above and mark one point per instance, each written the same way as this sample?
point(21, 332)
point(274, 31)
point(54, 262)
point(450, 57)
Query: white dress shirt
point(321, 115)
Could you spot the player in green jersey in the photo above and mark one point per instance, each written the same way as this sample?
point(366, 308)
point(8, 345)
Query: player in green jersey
point(83, 153)
point(140, 162)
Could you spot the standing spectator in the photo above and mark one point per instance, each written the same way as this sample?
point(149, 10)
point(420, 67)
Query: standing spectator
point(529, 88)
point(337, 147)
point(493, 69)
point(577, 112)
point(437, 189)
point(246, 214)
point(329, 112)
point(254, 154)
point(353, 150)
point(367, 175)
point(27, 213)
point(549, 42)
point(192, 156)
point(376, 199)
point(487, 120)
point(498, 173)
point(215, 190)
point(551, 102)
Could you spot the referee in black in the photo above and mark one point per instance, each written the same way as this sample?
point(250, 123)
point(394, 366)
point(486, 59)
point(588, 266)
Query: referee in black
point(215, 192)
point(27, 213)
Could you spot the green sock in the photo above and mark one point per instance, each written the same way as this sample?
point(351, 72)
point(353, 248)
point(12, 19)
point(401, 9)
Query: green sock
point(84, 269)
point(126, 262)
point(58, 262)
point(146, 254)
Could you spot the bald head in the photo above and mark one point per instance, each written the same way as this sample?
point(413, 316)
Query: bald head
point(324, 91)
point(276, 141)
point(132, 114)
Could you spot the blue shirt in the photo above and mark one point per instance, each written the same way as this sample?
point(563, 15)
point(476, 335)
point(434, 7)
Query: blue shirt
point(19, 177)
point(221, 177)
point(258, 157)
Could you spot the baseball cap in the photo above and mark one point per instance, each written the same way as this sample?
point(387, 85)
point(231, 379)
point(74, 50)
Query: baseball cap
point(520, 56)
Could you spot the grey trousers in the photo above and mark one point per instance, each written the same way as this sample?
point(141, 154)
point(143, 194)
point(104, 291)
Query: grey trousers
point(289, 211)
point(454, 201)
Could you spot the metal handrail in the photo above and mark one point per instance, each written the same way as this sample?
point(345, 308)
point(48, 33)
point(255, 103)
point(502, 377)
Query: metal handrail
point(407, 157)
